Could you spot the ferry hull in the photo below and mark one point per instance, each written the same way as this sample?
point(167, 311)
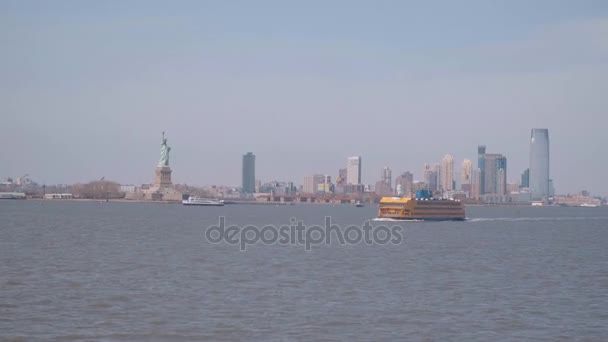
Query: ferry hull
point(202, 202)
point(205, 204)
point(434, 219)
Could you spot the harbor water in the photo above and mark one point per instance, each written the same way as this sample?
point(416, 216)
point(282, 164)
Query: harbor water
point(91, 271)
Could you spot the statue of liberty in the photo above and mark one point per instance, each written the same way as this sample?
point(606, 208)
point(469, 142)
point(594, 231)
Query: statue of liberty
point(164, 152)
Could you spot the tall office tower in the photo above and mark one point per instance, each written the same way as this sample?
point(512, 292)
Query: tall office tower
point(387, 176)
point(501, 182)
point(428, 173)
point(436, 177)
point(481, 152)
point(491, 179)
point(466, 173)
point(447, 173)
point(249, 173)
point(353, 170)
point(539, 163)
point(476, 184)
point(525, 179)
point(431, 176)
point(406, 180)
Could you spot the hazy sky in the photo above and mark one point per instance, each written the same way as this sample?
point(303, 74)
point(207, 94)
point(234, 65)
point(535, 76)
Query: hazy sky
point(87, 87)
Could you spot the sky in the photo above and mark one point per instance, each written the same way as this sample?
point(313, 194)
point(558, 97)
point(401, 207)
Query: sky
point(87, 87)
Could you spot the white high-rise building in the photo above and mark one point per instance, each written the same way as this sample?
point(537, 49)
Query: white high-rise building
point(447, 173)
point(353, 170)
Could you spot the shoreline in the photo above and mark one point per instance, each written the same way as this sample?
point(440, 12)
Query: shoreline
point(241, 202)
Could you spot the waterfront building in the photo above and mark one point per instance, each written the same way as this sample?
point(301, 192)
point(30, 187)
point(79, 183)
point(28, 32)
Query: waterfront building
point(387, 176)
point(342, 174)
point(353, 170)
point(466, 175)
point(493, 172)
point(447, 173)
point(476, 184)
point(311, 183)
point(432, 176)
point(525, 178)
point(58, 196)
point(481, 152)
point(539, 163)
point(325, 187)
point(248, 184)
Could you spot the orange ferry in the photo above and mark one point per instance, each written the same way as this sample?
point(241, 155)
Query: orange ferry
point(422, 207)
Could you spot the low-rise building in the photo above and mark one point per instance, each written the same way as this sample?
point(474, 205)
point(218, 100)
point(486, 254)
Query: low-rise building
point(58, 196)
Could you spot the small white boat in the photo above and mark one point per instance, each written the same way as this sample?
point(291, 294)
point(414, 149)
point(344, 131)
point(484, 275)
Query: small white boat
point(193, 200)
point(358, 204)
point(589, 205)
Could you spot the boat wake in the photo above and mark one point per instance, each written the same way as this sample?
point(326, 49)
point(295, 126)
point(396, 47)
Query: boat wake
point(513, 219)
point(504, 219)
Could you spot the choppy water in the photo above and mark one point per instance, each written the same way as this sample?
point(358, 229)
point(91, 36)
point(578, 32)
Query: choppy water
point(143, 272)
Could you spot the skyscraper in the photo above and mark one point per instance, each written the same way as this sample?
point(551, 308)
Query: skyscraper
point(466, 176)
point(387, 176)
point(466, 173)
point(525, 179)
point(475, 184)
point(432, 176)
point(353, 170)
point(481, 152)
point(539, 163)
point(447, 173)
point(495, 174)
point(437, 172)
point(501, 182)
point(248, 173)
point(492, 172)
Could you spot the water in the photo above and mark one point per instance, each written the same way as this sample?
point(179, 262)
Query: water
point(88, 271)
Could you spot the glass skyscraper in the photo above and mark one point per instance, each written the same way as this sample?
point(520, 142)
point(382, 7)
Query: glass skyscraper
point(481, 152)
point(249, 173)
point(539, 163)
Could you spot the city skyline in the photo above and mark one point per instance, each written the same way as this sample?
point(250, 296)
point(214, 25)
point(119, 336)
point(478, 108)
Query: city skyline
point(489, 178)
point(87, 88)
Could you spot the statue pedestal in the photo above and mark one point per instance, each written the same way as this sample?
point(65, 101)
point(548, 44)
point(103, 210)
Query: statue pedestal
point(162, 189)
point(163, 177)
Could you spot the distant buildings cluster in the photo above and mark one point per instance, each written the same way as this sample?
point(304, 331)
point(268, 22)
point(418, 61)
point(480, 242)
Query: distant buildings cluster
point(485, 183)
